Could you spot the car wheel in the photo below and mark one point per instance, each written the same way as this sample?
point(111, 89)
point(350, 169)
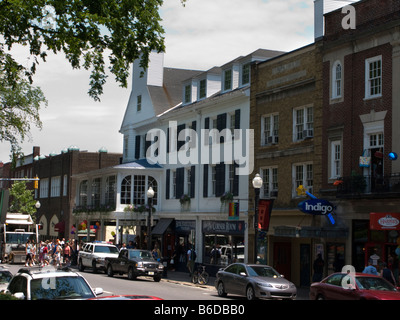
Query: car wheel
point(157, 279)
point(80, 266)
point(221, 289)
point(250, 294)
point(131, 274)
point(110, 272)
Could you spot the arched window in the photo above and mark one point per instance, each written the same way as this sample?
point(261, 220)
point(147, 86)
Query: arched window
point(337, 74)
point(126, 187)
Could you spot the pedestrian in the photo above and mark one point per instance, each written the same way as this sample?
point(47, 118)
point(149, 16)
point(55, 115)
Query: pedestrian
point(156, 253)
point(33, 252)
point(387, 274)
point(318, 267)
point(28, 252)
point(67, 254)
point(191, 259)
point(45, 255)
point(370, 269)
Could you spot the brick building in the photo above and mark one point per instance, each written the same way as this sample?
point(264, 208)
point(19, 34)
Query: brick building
point(57, 192)
point(361, 98)
point(286, 115)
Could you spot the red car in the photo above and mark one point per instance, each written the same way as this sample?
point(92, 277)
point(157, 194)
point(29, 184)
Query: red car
point(358, 286)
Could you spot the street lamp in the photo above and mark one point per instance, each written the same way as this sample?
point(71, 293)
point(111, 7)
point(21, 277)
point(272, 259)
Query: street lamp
point(257, 184)
point(150, 195)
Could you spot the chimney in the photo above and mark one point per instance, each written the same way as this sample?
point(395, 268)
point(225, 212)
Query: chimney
point(318, 19)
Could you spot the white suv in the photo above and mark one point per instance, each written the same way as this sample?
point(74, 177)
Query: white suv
point(50, 284)
point(92, 255)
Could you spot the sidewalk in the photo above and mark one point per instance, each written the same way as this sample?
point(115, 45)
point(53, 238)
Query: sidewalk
point(183, 278)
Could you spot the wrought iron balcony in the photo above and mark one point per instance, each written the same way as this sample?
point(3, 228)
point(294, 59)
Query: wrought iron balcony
point(358, 186)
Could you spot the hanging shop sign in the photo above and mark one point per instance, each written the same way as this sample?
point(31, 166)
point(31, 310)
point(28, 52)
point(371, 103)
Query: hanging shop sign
point(384, 221)
point(316, 207)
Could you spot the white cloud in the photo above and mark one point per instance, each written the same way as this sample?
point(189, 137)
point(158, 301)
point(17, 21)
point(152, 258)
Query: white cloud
point(203, 34)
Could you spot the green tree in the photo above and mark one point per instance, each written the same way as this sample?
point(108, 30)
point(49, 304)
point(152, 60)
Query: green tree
point(22, 199)
point(86, 31)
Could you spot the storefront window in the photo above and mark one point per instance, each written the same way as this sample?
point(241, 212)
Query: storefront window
point(223, 249)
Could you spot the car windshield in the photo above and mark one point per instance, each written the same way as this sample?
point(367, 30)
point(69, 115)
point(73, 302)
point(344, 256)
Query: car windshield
point(5, 276)
point(372, 283)
point(106, 249)
point(53, 288)
point(140, 254)
point(263, 271)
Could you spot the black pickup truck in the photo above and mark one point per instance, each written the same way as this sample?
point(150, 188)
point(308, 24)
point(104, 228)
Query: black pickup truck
point(135, 263)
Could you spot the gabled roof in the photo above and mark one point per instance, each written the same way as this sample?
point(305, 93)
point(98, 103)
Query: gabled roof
point(170, 94)
point(138, 164)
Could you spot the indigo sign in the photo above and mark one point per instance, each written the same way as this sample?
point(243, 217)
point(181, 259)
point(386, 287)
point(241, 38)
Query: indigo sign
point(316, 207)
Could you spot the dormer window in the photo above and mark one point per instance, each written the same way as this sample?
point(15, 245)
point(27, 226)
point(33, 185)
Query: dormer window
point(188, 94)
point(202, 89)
point(228, 80)
point(246, 74)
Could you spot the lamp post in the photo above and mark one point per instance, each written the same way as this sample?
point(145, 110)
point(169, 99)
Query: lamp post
point(257, 184)
point(150, 195)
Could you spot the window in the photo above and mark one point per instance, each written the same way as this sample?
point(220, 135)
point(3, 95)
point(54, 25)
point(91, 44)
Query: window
point(231, 177)
point(65, 185)
point(110, 190)
point(139, 103)
point(376, 140)
point(336, 80)
point(336, 159)
point(373, 77)
point(270, 182)
point(202, 89)
point(55, 186)
point(227, 79)
point(303, 123)
point(188, 94)
point(83, 193)
point(96, 192)
point(139, 190)
point(246, 74)
point(189, 182)
point(126, 186)
point(303, 175)
point(173, 184)
point(44, 188)
point(269, 129)
point(213, 180)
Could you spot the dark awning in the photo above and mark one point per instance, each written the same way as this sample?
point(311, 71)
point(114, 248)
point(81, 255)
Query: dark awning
point(161, 226)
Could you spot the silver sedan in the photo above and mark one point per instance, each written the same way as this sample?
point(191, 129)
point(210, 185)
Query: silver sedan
point(254, 281)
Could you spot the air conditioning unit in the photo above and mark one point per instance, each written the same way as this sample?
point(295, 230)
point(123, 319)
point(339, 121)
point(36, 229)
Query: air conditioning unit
point(273, 194)
point(308, 133)
point(272, 139)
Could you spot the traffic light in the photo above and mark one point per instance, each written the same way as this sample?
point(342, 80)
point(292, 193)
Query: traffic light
point(40, 226)
point(36, 183)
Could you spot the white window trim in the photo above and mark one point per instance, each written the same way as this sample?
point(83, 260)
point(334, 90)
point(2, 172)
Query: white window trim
point(205, 96)
point(367, 79)
point(223, 79)
point(304, 182)
point(270, 182)
point(335, 79)
point(333, 144)
point(305, 127)
point(242, 74)
point(275, 135)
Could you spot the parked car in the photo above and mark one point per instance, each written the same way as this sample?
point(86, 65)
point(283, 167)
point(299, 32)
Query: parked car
point(5, 278)
point(135, 263)
point(358, 286)
point(50, 284)
point(230, 253)
point(127, 297)
point(92, 255)
point(254, 281)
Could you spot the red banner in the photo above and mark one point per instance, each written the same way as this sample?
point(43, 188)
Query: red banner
point(384, 221)
point(264, 214)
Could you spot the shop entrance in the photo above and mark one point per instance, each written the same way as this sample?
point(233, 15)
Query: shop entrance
point(282, 258)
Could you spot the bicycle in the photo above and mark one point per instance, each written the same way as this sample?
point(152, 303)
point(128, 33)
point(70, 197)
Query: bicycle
point(200, 276)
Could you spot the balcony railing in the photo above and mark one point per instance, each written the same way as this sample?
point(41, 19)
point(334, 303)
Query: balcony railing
point(357, 186)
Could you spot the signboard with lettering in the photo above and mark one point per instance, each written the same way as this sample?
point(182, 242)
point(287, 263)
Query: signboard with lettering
point(316, 207)
point(384, 221)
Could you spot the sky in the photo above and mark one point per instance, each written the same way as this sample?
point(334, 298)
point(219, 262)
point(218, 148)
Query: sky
point(200, 35)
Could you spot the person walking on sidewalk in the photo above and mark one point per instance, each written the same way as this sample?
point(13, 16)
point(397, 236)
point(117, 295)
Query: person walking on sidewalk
point(191, 259)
